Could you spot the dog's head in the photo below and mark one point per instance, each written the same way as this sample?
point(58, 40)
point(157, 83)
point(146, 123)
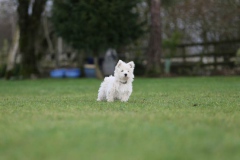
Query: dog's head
point(124, 71)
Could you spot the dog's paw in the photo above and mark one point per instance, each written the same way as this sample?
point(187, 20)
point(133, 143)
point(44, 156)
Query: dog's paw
point(110, 100)
point(124, 99)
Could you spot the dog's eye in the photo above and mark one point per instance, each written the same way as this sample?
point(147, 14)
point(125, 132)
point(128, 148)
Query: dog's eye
point(122, 71)
point(128, 71)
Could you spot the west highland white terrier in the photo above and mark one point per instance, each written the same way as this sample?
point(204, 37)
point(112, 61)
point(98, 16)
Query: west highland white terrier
point(119, 86)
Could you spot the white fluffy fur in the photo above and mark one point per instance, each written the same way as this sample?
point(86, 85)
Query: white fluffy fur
point(119, 86)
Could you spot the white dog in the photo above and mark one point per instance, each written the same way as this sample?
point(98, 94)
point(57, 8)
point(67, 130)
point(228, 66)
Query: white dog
point(119, 86)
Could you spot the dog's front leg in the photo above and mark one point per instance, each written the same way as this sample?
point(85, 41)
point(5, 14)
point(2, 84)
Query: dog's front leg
point(110, 96)
point(125, 97)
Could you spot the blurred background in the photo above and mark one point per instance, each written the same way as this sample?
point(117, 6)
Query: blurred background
point(86, 38)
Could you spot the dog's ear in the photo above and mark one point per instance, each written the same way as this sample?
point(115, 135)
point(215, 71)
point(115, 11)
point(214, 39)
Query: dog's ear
point(119, 63)
point(131, 64)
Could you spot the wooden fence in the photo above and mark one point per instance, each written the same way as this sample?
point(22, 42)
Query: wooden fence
point(198, 58)
point(206, 58)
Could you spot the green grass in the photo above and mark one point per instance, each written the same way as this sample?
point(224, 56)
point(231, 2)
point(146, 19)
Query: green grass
point(182, 119)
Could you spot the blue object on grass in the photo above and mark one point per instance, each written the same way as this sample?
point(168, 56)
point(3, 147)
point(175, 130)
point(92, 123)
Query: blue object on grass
point(90, 72)
point(57, 73)
point(73, 73)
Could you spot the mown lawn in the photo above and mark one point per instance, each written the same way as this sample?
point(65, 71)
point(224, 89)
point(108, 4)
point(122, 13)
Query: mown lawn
point(168, 119)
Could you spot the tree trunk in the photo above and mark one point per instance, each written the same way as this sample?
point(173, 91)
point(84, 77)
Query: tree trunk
point(154, 47)
point(59, 50)
point(99, 73)
point(12, 55)
point(48, 38)
point(29, 23)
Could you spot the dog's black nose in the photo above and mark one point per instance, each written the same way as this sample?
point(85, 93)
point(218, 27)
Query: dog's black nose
point(125, 75)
